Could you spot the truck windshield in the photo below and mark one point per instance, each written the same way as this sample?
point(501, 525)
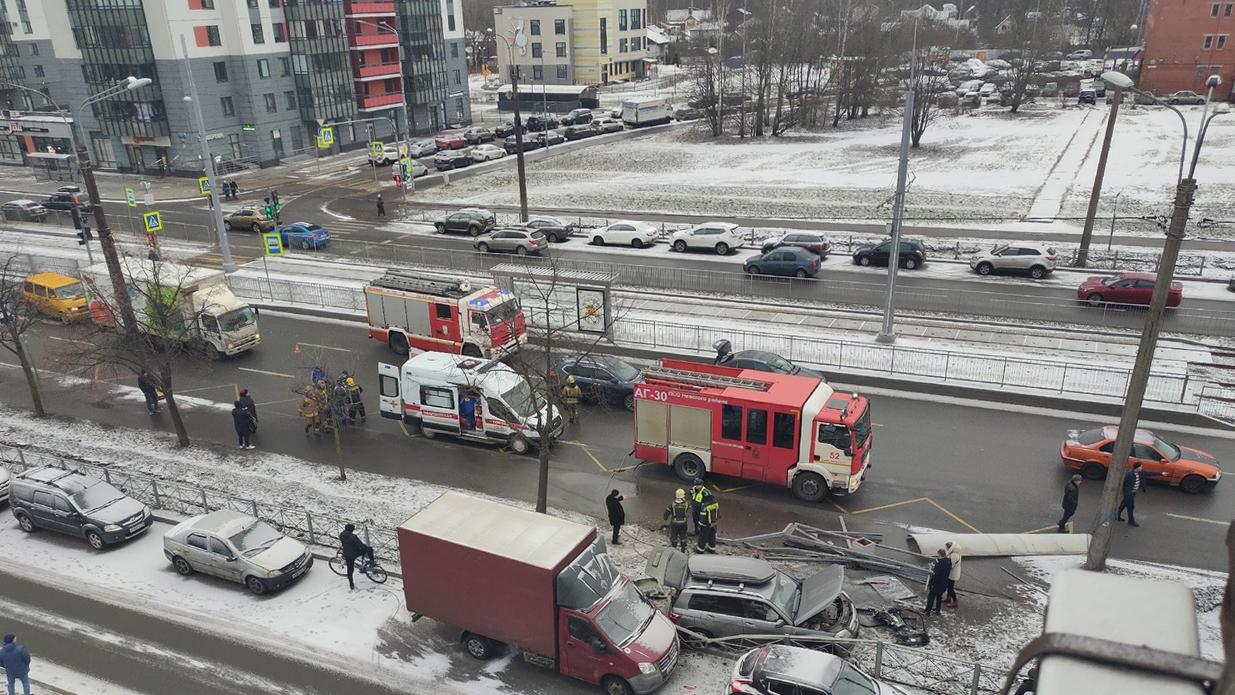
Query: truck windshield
point(862, 428)
point(623, 618)
point(523, 400)
point(504, 312)
point(236, 319)
point(70, 291)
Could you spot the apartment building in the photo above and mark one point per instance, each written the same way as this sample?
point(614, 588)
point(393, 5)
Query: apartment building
point(1186, 41)
point(581, 42)
point(268, 74)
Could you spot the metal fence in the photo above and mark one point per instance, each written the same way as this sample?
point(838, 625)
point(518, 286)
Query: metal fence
point(187, 499)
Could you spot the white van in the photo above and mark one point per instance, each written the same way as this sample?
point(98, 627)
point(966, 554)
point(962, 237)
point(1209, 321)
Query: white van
point(466, 397)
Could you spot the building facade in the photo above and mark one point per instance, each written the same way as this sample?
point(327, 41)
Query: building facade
point(584, 42)
point(1186, 41)
point(458, 106)
point(268, 74)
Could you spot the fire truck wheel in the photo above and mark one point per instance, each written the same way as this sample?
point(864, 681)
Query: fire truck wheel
point(688, 467)
point(519, 444)
point(398, 343)
point(809, 487)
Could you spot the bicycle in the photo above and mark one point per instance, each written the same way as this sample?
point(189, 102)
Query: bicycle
point(369, 568)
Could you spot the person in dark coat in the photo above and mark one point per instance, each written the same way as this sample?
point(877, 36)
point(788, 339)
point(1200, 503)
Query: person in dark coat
point(697, 493)
point(246, 401)
point(245, 425)
point(677, 514)
point(1071, 495)
point(1029, 684)
point(353, 548)
point(617, 515)
point(15, 659)
point(938, 582)
point(1134, 482)
point(145, 383)
point(381, 206)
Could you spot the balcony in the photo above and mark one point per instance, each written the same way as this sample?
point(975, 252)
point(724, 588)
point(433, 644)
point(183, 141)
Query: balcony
point(366, 102)
point(353, 8)
point(363, 72)
point(374, 40)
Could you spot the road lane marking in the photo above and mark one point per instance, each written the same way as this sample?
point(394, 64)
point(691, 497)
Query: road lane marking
point(592, 456)
point(1044, 528)
point(325, 347)
point(888, 506)
point(902, 503)
point(263, 371)
point(69, 340)
point(839, 507)
point(1197, 518)
point(326, 209)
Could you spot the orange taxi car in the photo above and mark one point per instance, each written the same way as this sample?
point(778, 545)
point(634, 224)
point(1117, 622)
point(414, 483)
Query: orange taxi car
point(1191, 470)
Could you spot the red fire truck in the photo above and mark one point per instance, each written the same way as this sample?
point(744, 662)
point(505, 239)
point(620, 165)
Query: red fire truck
point(413, 312)
point(763, 426)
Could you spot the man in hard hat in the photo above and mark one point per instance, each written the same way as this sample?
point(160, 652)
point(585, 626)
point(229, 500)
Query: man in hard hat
point(697, 493)
point(676, 514)
point(571, 393)
point(709, 516)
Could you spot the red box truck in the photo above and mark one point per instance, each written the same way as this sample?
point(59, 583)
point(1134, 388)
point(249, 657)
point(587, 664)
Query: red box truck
point(533, 582)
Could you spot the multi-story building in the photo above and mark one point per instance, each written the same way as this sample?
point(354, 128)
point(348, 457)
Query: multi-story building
point(268, 73)
point(458, 107)
point(583, 42)
point(1186, 41)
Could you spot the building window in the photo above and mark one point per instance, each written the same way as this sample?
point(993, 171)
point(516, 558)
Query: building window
point(1222, 41)
point(258, 35)
point(450, 22)
point(271, 104)
point(1213, 10)
point(34, 47)
point(202, 5)
point(622, 46)
point(280, 34)
point(38, 71)
point(538, 73)
point(635, 43)
point(559, 49)
point(604, 35)
point(1209, 41)
point(276, 4)
point(212, 36)
point(252, 3)
point(229, 109)
point(454, 50)
point(534, 27)
point(285, 67)
point(276, 139)
point(290, 98)
point(621, 20)
point(1226, 9)
point(537, 51)
point(636, 19)
point(263, 68)
point(559, 27)
point(562, 72)
point(220, 72)
point(458, 77)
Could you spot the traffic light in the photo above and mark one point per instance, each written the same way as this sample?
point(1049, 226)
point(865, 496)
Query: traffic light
point(84, 235)
point(268, 209)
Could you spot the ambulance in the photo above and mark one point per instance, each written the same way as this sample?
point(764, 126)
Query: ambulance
point(466, 397)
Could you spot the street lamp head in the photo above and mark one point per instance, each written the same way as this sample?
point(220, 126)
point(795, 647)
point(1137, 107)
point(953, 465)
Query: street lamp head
point(136, 83)
point(1213, 81)
point(1117, 79)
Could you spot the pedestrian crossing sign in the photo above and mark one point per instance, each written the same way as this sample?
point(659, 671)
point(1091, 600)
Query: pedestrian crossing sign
point(130, 197)
point(377, 148)
point(203, 185)
point(272, 244)
point(325, 138)
point(154, 222)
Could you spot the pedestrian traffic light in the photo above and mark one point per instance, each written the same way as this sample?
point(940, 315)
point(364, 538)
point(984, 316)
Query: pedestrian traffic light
point(84, 236)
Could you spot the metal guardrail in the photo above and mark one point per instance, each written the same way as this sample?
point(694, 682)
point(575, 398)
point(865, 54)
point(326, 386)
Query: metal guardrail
point(189, 500)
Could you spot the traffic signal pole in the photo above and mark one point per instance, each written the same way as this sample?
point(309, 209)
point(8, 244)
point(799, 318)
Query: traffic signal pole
point(229, 265)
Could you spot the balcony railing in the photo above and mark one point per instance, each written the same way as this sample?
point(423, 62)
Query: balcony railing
point(385, 38)
point(381, 70)
point(374, 101)
point(368, 7)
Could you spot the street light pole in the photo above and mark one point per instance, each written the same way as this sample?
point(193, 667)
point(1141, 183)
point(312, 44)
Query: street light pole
point(1082, 254)
point(742, 105)
point(216, 207)
point(1110, 238)
point(887, 334)
point(514, 99)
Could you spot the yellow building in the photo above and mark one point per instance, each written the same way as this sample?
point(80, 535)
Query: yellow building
point(581, 42)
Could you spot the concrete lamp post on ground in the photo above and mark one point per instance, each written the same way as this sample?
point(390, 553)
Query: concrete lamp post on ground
point(1185, 187)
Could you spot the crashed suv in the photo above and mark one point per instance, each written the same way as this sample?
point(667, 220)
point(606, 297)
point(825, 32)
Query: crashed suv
point(724, 595)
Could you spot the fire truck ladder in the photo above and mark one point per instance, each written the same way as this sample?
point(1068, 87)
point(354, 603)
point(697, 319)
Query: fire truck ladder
point(705, 379)
point(393, 280)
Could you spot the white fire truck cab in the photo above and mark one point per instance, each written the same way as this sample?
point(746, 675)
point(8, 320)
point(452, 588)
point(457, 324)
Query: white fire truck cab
point(761, 426)
point(466, 397)
point(414, 313)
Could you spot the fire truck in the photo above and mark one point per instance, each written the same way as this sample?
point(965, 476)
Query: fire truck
point(761, 426)
point(410, 312)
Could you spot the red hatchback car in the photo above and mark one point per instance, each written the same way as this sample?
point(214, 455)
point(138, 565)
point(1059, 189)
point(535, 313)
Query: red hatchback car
point(1128, 288)
point(450, 141)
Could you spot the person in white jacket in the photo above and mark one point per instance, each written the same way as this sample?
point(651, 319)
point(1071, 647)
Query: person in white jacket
point(954, 554)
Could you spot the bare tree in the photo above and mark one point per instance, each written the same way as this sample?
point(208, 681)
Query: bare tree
point(17, 316)
point(1035, 31)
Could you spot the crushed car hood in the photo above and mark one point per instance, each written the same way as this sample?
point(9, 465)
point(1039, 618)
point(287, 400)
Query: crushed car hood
point(818, 592)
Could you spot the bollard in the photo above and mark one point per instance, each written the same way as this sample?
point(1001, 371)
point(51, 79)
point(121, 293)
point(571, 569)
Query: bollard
point(308, 517)
point(253, 503)
point(154, 487)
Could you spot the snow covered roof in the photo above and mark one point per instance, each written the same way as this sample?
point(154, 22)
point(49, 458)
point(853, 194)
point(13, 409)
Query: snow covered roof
point(678, 16)
point(657, 36)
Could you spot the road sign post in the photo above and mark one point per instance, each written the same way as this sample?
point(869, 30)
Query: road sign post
point(154, 222)
point(325, 138)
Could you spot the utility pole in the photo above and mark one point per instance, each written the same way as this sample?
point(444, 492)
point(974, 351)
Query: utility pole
point(887, 334)
point(216, 208)
point(1082, 254)
point(521, 39)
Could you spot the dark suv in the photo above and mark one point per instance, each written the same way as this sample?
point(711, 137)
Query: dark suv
point(65, 200)
point(474, 221)
point(912, 253)
point(578, 117)
point(78, 505)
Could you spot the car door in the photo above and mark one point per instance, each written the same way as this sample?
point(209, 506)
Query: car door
point(1119, 291)
point(43, 511)
point(620, 234)
point(879, 254)
point(457, 222)
point(585, 654)
point(196, 551)
point(722, 615)
point(225, 558)
point(756, 443)
point(500, 241)
point(1143, 291)
point(1156, 465)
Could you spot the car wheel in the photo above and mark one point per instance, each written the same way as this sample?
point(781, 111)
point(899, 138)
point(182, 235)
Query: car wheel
point(183, 568)
point(479, 647)
point(398, 344)
point(1037, 272)
point(482, 247)
point(753, 270)
point(616, 686)
point(636, 243)
point(688, 467)
point(441, 228)
point(227, 224)
point(629, 402)
point(985, 268)
point(1193, 484)
point(95, 539)
point(809, 487)
point(679, 246)
point(257, 228)
point(519, 444)
point(722, 249)
point(1095, 300)
point(1093, 471)
point(864, 260)
point(521, 250)
point(304, 245)
point(553, 238)
point(801, 272)
point(598, 241)
point(910, 264)
point(255, 585)
point(427, 433)
point(473, 230)
point(23, 520)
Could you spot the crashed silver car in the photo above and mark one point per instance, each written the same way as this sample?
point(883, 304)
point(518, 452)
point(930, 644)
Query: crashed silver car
point(724, 595)
point(237, 547)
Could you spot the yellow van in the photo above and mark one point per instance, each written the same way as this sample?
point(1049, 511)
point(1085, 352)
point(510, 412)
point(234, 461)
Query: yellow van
point(55, 295)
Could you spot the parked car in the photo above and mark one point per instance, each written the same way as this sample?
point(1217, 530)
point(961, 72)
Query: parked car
point(609, 125)
point(450, 141)
point(505, 130)
point(626, 233)
point(555, 230)
point(529, 143)
point(24, 210)
point(579, 132)
point(248, 218)
point(549, 138)
point(788, 260)
point(688, 114)
point(423, 148)
point(486, 152)
point(728, 595)
point(603, 379)
point(815, 243)
point(69, 188)
point(1087, 96)
point(1146, 98)
point(239, 548)
point(59, 296)
point(1099, 88)
point(476, 136)
point(781, 668)
point(1034, 259)
point(1185, 97)
point(77, 505)
point(304, 235)
point(541, 122)
point(912, 253)
point(760, 360)
point(451, 159)
point(389, 155)
point(615, 113)
point(1191, 470)
point(470, 220)
point(1128, 288)
point(721, 237)
point(5, 479)
point(512, 240)
point(577, 117)
point(1082, 54)
point(419, 169)
point(65, 200)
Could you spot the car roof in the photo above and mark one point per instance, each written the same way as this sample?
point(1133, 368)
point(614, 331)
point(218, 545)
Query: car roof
point(1143, 436)
point(48, 475)
point(52, 280)
point(729, 568)
point(795, 250)
point(723, 225)
point(1138, 276)
point(22, 201)
point(799, 665)
point(223, 522)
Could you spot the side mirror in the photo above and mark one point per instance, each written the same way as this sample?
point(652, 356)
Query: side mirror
point(231, 558)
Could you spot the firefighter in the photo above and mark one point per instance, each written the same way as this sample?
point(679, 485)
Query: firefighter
point(676, 514)
point(311, 411)
point(571, 393)
point(709, 515)
point(697, 493)
point(355, 402)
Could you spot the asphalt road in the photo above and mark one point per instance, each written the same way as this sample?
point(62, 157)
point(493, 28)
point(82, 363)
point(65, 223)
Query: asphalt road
point(937, 464)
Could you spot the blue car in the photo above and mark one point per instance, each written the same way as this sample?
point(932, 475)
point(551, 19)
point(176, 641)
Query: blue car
point(304, 235)
point(784, 260)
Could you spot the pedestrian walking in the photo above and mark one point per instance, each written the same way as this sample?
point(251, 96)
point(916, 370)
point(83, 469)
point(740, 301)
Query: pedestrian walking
point(1071, 496)
point(954, 574)
point(246, 401)
point(355, 406)
point(381, 206)
point(1134, 482)
point(617, 515)
point(677, 514)
point(1029, 684)
point(245, 426)
point(145, 383)
point(311, 411)
point(353, 548)
point(235, 190)
point(709, 517)
point(938, 582)
point(15, 659)
point(340, 404)
point(697, 493)
point(571, 393)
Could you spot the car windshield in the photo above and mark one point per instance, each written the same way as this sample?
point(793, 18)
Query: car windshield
point(1090, 437)
point(255, 538)
point(73, 291)
point(779, 364)
point(236, 319)
point(851, 681)
point(1167, 449)
point(862, 428)
point(97, 495)
point(623, 618)
point(523, 400)
point(315, 228)
point(624, 371)
point(785, 594)
point(503, 312)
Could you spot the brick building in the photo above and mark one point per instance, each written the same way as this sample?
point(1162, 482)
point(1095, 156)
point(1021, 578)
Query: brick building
point(1186, 41)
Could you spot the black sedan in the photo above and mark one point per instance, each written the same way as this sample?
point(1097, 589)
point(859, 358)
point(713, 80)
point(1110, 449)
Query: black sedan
point(760, 360)
point(912, 254)
point(603, 379)
point(578, 132)
point(451, 159)
point(549, 138)
point(553, 228)
point(529, 143)
point(505, 130)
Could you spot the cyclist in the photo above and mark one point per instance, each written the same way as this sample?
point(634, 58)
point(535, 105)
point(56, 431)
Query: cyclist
point(353, 548)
